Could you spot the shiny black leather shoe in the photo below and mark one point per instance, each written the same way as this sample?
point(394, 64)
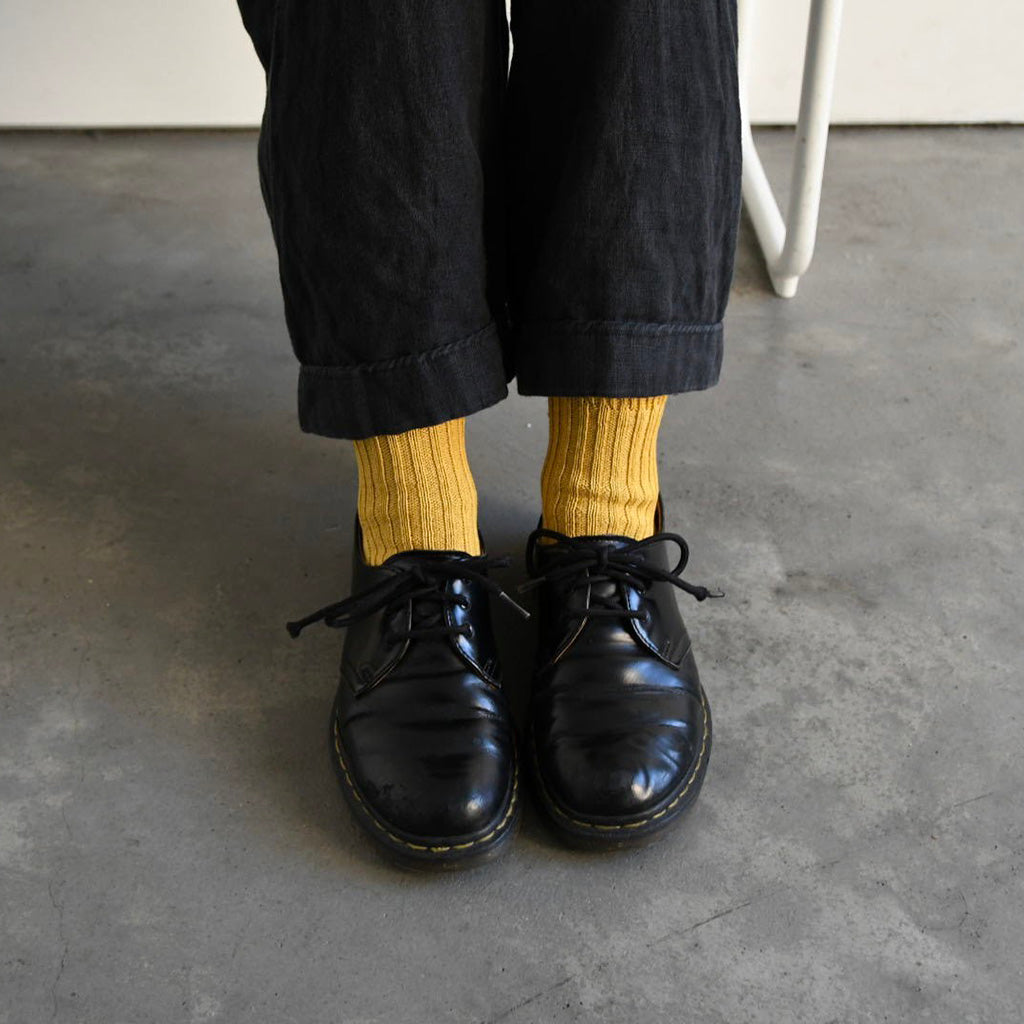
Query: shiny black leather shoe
point(421, 734)
point(620, 728)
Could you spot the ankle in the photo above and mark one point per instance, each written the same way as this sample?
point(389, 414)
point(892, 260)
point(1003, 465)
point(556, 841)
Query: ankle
point(600, 474)
point(416, 492)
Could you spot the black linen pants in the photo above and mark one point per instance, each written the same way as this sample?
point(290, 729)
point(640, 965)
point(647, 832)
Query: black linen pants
point(444, 224)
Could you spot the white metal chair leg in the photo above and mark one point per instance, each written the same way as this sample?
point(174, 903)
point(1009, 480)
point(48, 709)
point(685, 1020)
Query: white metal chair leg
point(788, 245)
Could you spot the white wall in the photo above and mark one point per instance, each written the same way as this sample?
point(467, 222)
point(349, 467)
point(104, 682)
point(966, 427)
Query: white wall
point(126, 62)
point(150, 62)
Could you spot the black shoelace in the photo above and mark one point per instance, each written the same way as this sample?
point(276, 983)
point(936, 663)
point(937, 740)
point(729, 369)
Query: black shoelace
point(420, 582)
point(581, 561)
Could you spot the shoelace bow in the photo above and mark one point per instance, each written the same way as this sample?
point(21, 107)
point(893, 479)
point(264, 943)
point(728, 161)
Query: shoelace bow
point(422, 580)
point(592, 562)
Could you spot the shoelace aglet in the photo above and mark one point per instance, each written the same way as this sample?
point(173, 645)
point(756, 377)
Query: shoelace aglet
point(515, 604)
point(296, 627)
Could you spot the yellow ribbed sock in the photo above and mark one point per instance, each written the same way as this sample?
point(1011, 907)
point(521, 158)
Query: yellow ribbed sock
point(416, 492)
point(601, 470)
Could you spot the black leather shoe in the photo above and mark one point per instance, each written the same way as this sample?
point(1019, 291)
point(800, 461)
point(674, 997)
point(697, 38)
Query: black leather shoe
point(620, 729)
point(421, 734)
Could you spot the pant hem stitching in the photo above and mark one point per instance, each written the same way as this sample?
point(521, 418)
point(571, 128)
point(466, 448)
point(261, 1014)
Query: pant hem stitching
point(441, 351)
point(639, 327)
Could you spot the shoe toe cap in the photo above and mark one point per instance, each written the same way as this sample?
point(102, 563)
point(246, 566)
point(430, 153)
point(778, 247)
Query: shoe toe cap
point(617, 753)
point(434, 785)
point(432, 798)
point(616, 780)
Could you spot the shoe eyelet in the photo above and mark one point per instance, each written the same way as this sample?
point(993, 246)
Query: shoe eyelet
point(468, 631)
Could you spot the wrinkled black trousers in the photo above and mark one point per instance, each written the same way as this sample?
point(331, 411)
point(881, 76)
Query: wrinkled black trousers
point(444, 224)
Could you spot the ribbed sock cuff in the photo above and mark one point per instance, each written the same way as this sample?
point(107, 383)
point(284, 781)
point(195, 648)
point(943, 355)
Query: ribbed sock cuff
point(600, 474)
point(416, 492)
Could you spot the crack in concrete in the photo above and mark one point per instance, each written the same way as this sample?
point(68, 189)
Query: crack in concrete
point(715, 917)
point(971, 800)
point(58, 905)
point(600, 966)
point(530, 999)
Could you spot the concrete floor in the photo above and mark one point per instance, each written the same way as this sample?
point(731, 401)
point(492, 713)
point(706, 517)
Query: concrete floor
point(172, 844)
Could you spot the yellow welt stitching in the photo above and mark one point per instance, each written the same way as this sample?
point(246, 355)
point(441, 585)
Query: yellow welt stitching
point(643, 821)
point(419, 847)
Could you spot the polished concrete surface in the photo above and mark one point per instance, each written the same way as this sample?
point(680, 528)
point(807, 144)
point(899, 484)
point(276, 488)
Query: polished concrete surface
point(172, 843)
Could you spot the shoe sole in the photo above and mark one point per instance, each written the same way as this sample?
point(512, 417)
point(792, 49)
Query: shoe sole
point(581, 834)
point(412, 853)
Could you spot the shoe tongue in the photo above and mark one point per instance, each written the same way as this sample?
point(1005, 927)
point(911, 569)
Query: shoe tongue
point(609, 590)
point(425, 611)
point(610, 541)
point(407, 559)
point(606, 589)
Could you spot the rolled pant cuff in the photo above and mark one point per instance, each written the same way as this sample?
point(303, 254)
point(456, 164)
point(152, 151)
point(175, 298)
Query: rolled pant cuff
point(616, 358)
point(395, 395)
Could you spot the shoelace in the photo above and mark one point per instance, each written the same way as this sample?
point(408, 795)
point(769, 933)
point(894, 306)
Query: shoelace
point(423, 580)
point(592, 562)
